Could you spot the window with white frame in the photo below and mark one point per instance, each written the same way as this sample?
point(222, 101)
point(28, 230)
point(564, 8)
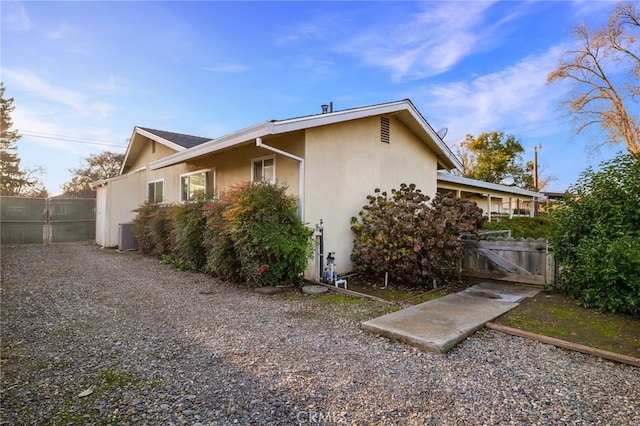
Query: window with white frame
point(197, 185)
point(155, 191)
point(264, 169)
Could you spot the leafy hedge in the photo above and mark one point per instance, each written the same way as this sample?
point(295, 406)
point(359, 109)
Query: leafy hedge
point(416, 241)
point(596, 237)
point(523, 227)
point(249, 234)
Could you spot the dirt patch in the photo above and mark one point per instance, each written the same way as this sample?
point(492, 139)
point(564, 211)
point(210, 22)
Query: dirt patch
point(555, 315)
point(399, 294)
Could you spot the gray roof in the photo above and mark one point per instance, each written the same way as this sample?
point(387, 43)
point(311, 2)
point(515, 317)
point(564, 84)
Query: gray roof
point(185, 141)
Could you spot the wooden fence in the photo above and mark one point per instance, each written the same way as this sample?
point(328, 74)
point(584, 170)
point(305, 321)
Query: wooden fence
point(518, 260)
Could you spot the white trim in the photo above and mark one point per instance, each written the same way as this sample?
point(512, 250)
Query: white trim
point(247, 135)
point(151, 136)
point(478, 184)
point(160, 140)
point(404, 110)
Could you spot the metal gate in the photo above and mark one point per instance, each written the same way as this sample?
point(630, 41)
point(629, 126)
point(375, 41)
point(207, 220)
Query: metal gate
point(518, 260)
point(46, 220)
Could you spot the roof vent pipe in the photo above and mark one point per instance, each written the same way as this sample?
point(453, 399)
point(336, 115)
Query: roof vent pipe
point(327, 108)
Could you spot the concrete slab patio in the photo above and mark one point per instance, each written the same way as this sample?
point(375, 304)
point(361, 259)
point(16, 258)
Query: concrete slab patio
point(438, 325)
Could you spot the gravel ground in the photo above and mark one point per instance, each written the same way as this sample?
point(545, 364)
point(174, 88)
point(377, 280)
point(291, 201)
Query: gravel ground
point(152, 345)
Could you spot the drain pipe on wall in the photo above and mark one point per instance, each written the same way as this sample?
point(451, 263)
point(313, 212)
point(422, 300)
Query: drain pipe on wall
point(300, 172)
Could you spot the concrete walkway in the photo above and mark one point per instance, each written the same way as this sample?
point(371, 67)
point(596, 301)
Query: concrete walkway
point(438, 325)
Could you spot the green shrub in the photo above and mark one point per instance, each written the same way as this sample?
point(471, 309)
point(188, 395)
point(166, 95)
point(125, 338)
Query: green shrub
point(415, 241)
point(523, 227)
point(186, 236)
point(152, 227)
point(596, 237)
point(249, 234)
point(270, 242)
point(221, 258)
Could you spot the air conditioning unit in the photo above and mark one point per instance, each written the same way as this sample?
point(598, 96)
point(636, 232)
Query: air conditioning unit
point(126, 237)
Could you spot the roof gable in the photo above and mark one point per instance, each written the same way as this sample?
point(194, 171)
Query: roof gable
point(403, 110)
point(185, 141)
point(175, 141)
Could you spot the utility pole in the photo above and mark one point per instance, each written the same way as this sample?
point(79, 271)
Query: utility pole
point(535, 166)
point(535, 176)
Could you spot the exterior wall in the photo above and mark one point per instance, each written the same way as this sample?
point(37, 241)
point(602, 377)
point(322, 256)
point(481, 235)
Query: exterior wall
point(233, 167)
point(344, 163)
point(119, 199)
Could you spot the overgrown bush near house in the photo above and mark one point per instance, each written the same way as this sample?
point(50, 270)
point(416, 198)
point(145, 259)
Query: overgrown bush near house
point(152, 227)
point(416, 241)
point(272, 245)
point(186, 235)
point(596, 237)
point(523, 227)
point(221, 259)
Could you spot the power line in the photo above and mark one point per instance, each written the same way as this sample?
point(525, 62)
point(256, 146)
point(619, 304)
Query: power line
point(67, 138)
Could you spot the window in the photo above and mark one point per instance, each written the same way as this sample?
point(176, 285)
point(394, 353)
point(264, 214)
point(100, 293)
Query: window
point(155, 192)
point(197, 185)
point(264, 169)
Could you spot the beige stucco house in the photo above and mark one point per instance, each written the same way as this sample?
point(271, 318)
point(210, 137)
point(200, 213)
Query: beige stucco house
point(330, 161)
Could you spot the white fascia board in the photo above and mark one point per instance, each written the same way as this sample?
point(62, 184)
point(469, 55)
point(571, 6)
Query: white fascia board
point(301, 123)
point(160, 140)
point(105, 182)
point(126, 153)
point(488, 186)
point(248, 134)
point(448, 154)
point(293, 124)
point(151, 136)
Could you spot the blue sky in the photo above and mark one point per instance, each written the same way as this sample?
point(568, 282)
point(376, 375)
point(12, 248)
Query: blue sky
point(91, 71)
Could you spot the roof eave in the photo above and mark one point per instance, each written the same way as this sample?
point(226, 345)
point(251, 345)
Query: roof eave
point(478, 184)
point(149, 135)
point(232, 139)
point(446, 158)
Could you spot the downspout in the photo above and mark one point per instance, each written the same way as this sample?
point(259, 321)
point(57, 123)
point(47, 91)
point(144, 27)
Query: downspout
point(300, 171)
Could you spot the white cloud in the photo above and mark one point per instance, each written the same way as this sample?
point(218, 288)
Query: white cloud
point(515, 100)
point(427, 43)
point(79, 102)
point(14, 16)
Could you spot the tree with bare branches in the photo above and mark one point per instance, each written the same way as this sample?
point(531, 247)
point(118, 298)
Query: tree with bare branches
point(95, 167)
point(601, 98)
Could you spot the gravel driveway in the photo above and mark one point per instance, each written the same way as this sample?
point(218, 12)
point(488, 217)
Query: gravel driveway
point(152, 345)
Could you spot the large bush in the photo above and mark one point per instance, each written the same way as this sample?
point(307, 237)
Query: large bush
point(186, 235)
point(152, 227)
point(270, 242)
point(596, 237)
point(416, 241)
point(249, 234)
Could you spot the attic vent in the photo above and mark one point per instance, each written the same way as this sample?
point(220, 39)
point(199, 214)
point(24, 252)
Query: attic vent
point(384, 129)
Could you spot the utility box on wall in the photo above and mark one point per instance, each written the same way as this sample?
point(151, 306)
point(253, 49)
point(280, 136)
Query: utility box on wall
point(126, 237)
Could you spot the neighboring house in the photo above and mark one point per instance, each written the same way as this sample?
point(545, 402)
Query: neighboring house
point(497, 201)
point(330, 161)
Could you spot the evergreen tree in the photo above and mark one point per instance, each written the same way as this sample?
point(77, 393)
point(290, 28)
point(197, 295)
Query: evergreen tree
point(12, 178)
